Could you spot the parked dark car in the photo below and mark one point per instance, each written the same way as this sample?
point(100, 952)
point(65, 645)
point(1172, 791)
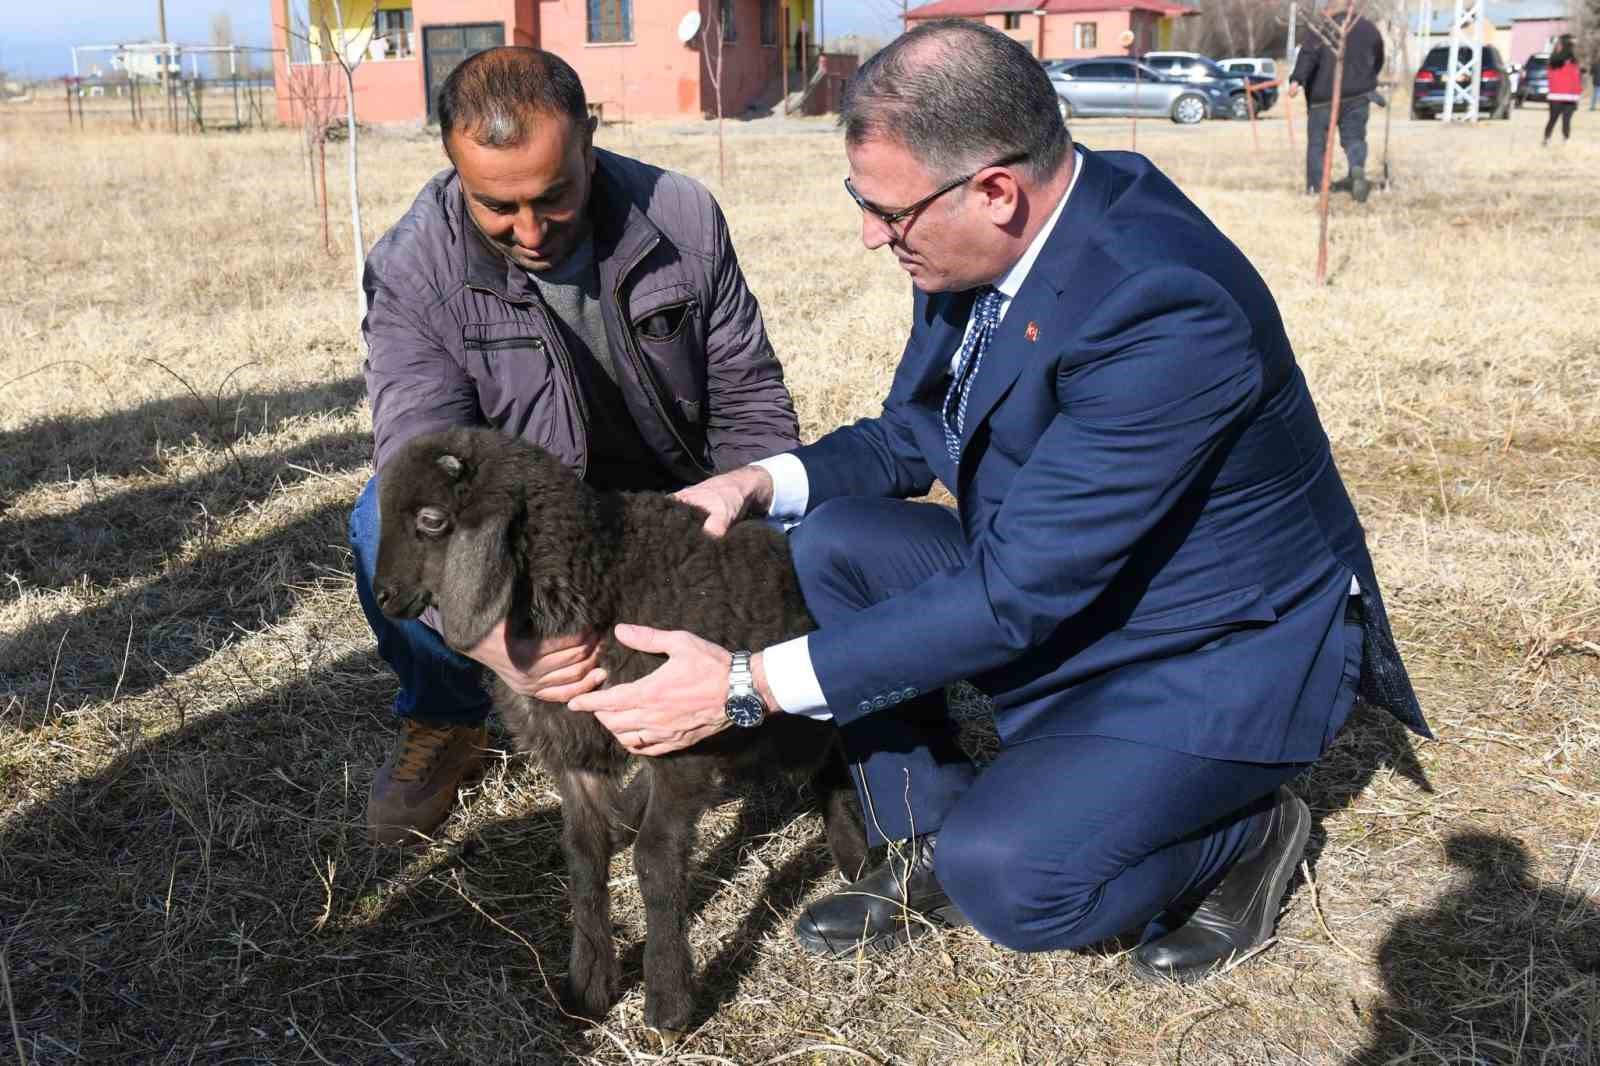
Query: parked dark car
point(1199, 69)
point(1114, 85)
point(1428, 88)
point(1535, 81)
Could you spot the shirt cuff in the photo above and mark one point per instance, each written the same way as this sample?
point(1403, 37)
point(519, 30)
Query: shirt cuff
point(791, 487)
point(794, 683)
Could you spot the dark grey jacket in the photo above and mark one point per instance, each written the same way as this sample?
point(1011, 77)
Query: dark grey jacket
point(1363, 65)
point(457, 335)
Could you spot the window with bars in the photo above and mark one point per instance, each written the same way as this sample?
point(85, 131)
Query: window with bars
point(1085, 34)
point(610, 21)
point(769, 22)
point(730, 32)
point(1013, 22)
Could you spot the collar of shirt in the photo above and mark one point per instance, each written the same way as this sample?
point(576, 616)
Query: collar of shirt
point(1011, 282)
point(1009, 285)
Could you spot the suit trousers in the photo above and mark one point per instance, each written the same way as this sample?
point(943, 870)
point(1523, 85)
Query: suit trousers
point(1352, 135)
point(1059, 841)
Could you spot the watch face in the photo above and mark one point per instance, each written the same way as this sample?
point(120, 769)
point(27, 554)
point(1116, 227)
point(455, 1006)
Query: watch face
point(746, 710)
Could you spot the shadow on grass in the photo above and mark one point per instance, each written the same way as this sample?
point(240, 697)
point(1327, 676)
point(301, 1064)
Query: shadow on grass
point(208, 896)
point(129, 440)
point(515, 871)
point(129, 642)
point(1372, 742)
point(1501, 968)
point(127, 534)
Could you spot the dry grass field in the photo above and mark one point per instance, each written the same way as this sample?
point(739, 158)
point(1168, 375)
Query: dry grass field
point(191, 707)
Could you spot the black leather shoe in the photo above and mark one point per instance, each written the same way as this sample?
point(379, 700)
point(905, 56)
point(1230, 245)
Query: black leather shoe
point(896, 900)
point(1240, 912)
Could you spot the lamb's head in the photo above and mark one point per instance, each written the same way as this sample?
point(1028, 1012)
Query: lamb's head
point(446, 506)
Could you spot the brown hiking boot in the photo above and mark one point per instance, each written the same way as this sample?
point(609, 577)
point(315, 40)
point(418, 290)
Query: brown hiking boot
point(416, 786)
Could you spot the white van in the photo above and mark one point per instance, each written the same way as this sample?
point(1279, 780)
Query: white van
point(1250, 65)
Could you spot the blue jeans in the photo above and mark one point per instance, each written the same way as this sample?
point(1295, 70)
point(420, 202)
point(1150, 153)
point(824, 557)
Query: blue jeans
point(437, 685)
point(1061, 841)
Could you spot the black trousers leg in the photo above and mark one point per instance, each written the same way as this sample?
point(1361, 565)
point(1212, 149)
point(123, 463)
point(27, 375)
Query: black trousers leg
point(1317, 134)
point(1353, 116)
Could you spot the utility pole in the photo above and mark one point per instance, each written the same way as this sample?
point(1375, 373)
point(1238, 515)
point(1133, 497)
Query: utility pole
point(161, 19)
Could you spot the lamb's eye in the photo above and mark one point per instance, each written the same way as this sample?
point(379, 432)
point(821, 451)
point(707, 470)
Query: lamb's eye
point(432, 521)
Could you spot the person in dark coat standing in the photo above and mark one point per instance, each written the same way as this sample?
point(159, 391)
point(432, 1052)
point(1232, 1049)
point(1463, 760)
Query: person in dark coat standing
point(1363, 62)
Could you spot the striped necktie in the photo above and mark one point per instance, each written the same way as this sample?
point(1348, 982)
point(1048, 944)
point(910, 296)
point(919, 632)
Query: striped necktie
point(985, 317)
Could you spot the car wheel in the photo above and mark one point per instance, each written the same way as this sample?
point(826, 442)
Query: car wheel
point(1065, 108)
point(1188, 109)
point(1420, 116)
point(1239, 108)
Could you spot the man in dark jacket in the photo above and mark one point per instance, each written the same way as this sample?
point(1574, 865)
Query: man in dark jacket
point(578, 299)
point(1363, 63)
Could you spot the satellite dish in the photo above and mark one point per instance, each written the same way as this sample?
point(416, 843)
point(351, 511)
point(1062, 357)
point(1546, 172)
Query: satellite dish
point(688, 26)
point(1125, 38)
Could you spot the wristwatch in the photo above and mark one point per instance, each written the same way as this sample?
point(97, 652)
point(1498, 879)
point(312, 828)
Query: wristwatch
point(744, 707)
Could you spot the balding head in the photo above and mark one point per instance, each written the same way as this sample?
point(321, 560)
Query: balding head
point(958, 95)
point(497, 96)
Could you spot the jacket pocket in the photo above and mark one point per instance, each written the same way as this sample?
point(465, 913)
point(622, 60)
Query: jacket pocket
point(669, 329)
point(509, 363)
point(1230, 608)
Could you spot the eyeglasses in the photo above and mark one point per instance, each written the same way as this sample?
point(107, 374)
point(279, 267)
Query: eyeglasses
point(889, 218)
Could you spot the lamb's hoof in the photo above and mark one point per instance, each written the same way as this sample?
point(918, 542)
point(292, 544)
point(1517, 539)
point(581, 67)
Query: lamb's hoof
point(670, 1038)
point(591, 1001)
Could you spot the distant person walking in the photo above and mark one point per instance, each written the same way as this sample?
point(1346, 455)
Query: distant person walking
point(1566, 88)
point(1594, 83)
point(1363, 62)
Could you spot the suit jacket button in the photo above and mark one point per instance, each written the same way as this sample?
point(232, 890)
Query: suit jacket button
point(864, 706)
point(879, 703)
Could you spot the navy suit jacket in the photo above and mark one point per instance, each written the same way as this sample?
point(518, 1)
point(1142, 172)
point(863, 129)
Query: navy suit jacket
point(1161, 547)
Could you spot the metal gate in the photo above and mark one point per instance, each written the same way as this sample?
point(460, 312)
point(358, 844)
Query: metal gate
point(444, 48)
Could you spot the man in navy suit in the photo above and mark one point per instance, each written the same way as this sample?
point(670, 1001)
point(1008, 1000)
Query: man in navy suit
point(1153, 568)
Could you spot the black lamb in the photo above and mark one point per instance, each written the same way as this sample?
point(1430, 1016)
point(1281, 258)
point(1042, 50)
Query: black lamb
point(486, 527)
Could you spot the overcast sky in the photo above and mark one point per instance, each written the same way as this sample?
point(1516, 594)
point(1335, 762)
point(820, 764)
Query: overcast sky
point(35, 36)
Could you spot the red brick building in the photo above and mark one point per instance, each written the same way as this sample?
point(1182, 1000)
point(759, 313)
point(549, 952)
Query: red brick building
point(1068, 29)
point(627, 52)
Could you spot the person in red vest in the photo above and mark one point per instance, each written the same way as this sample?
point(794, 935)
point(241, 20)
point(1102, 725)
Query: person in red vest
point(1566, 88)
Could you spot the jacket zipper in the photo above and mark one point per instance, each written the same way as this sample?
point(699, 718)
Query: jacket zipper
point(504, 343)
point(563, 360)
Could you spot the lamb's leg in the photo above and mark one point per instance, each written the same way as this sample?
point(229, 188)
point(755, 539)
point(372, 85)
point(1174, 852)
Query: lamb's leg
point(629, 814)
point(661, 857)
point(841, 815)
point(587, 801)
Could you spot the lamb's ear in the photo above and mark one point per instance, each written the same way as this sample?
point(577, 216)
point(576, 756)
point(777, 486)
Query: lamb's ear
point(479, 573)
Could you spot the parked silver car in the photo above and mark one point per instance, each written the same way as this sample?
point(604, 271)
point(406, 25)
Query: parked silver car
point(1112, 86)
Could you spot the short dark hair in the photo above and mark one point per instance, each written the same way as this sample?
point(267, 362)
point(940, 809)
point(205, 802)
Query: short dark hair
point(495, 96)
point(958, 95)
